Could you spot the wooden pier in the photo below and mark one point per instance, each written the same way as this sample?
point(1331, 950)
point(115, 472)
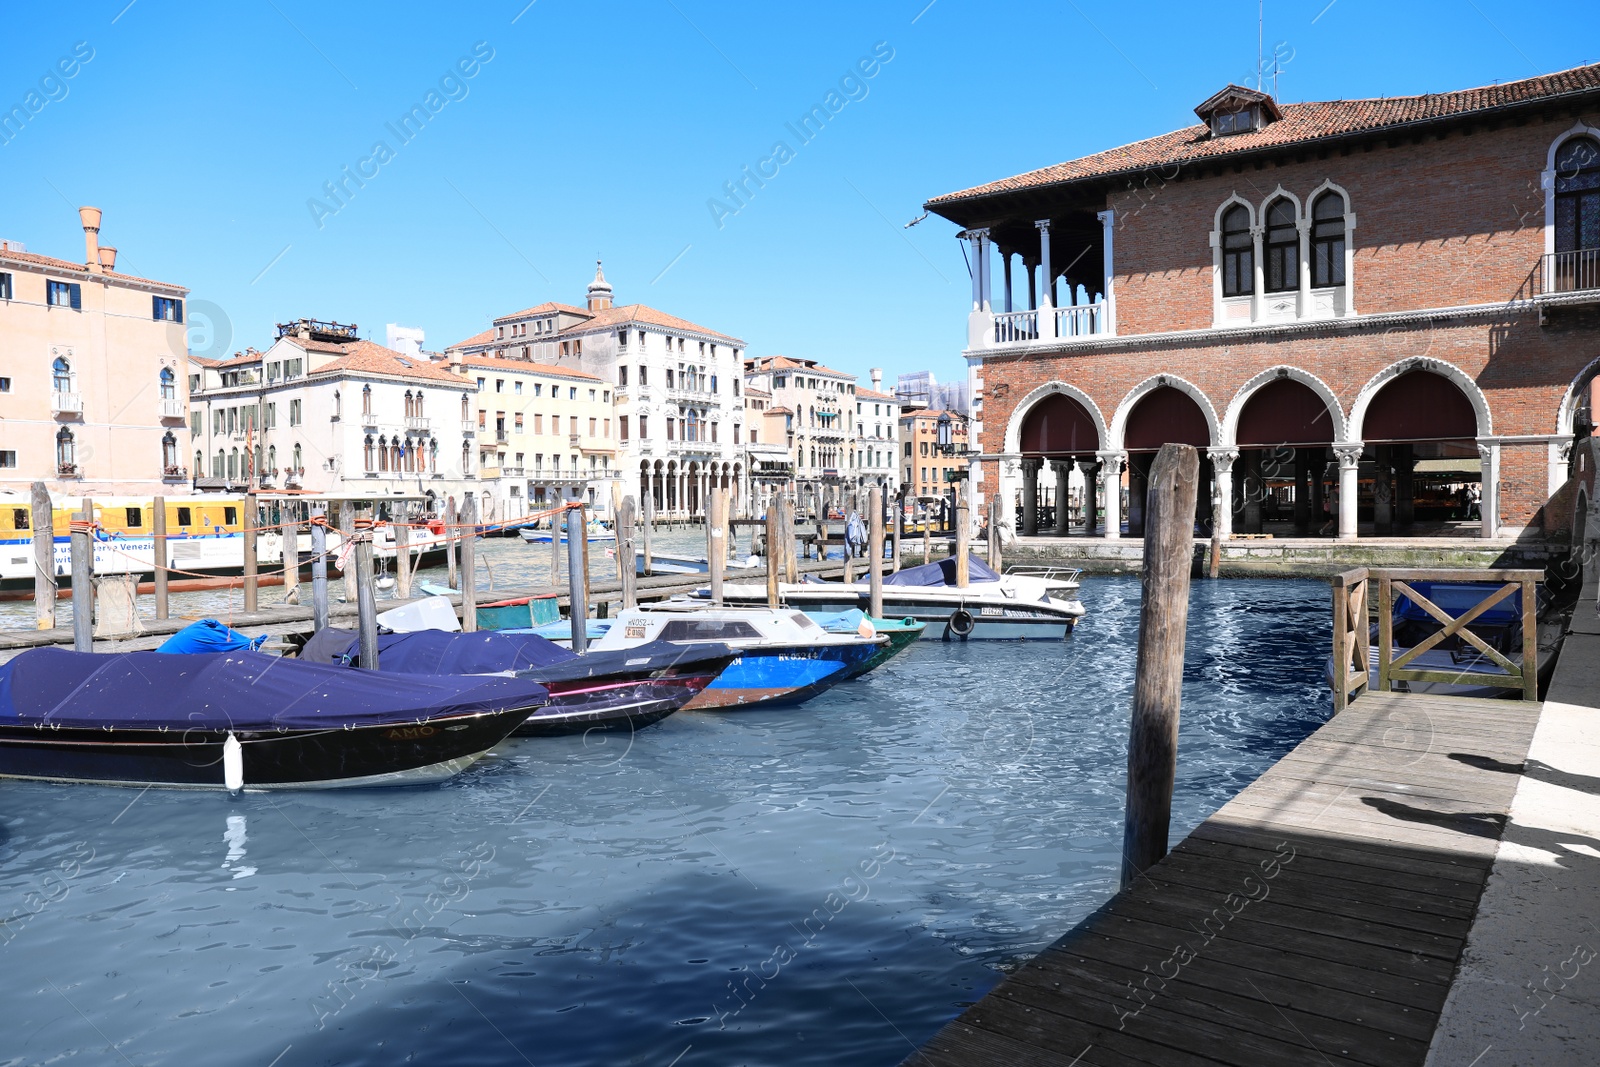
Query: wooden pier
point(1316, 917)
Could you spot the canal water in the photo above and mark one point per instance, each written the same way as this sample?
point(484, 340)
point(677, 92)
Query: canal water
point(821, 885)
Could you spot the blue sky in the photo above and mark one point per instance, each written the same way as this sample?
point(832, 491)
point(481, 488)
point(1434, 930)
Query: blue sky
point(204, 131)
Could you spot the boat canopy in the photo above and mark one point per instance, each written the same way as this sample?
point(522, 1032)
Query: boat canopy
point(245, 691)
point(942, 572)
point(438, 651)
point(209, 635)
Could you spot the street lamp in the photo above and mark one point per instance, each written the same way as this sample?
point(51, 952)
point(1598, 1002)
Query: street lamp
point(945, 439)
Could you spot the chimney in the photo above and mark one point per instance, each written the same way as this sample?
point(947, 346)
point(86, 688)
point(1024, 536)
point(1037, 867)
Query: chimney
point(876, 374)
point(91, 237)
point(456, 366)
point(108, 257)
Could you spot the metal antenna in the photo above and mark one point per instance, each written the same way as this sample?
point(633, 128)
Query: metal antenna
point(1261, 17)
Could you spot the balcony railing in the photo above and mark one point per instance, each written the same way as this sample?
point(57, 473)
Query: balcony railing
point(1569, 272)
point(512, 472)
point(175, 474)
point(171, 408)
point(369, 419)
point(1083, 321)
point(468, 426)
point(1013, 326)
point(66, 403)
point(1039, 327)
point(499, 437)
point(417, 422)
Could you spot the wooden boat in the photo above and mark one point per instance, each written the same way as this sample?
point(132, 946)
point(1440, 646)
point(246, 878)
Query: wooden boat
point(244, 720)
point(599, 690)
point(784, 658)
point(1019, 605)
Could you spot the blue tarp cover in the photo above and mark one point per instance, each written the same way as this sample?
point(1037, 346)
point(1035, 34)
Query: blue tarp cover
point(233, 690)
point(439, 652)
point(209, 635)
point(942, 572)
point(1458, 598)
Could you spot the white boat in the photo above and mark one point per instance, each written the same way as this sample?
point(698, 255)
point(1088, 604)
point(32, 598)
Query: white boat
point(672, 563)
point(595, 534)
point(1024, 604)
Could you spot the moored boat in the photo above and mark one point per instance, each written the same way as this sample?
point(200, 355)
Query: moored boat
point(244, 720)
point(902, 633)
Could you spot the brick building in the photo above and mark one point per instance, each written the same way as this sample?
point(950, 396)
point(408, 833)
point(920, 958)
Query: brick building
point(1355, 309)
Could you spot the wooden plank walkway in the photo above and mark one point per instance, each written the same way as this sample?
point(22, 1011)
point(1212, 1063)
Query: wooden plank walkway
point(1318, 917)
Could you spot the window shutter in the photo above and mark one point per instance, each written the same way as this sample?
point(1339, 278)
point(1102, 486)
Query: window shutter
point(75, 293)
point(177, 307)
point(155, 308)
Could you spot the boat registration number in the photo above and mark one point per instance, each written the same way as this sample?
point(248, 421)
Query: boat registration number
point(410, 733)
point(635, 631)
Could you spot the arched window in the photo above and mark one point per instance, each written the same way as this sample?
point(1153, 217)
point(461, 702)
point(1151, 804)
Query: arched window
point(299, 465)
point(366, 400)
point(465, 414)
point(61, 375)
point(1282, 251)
point(169, 384)
point(383, 453)
point(1327, 240)
point(199, 464)
point(433, 456)
point(466, 459)
point(394, 454)
point(1578, 195)
point(66, 450)
point(419, 404)
point(233, 465)
point(272, 458)
point(369, 454)
point(337, 404)
point(1238, 253)
point(408, 404)
point(219, 465)
point(169, 451)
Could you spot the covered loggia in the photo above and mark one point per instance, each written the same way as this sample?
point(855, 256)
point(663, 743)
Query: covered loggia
point(1420, 431)
point(1165, 414)
point(1057, 432)
point(1283, 435)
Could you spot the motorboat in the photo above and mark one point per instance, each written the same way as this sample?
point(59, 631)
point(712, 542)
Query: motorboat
point(902, 633)
point(674, 563)
point(627, 689)
point(1034, 604)
point(243, 720)
point(594, 533)
point(784, 657)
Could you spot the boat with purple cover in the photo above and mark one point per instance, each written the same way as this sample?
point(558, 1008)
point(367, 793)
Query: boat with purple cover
point(598, 690)
point(244, 720)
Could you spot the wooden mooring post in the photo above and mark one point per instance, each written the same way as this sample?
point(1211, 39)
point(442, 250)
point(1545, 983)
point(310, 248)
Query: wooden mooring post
point(251, 583)
point(774, 550)
point(291, 561)
point(995, 563)
point(402, 558)
point(451, 542)
point(44, 558)
point(648, 528)
point(555, 547)
point(899, 524)
point(469, 563)
point(577, 592)
point(319, 567)
point(159, 553)
point(791, 554)
point(963, 533)
point(625, 554)
point(716, 540)
point(347, 533)
point(1158, 677)
point(83, 578)
point(366, 594)
point(875, 554)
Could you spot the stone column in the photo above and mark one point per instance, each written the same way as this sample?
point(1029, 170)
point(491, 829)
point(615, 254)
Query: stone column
point(1303, 302)
point(1222, 492)
point(1111, 491)
point(1047, 280)
point(1489, 452)
point(1091, 502)
point(1108, 227)
point(1005, 275)
point(1063, 497)
point(1349, 487)
point(1256, 233)
point(1030, 497)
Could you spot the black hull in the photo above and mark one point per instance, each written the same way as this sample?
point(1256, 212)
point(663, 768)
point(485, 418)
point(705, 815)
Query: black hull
point(611, 704)
point(431, 750)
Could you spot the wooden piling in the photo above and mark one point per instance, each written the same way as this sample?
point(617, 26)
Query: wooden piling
point(774, 550)
point(899, 526)
point(319, 567)
point(875, 554)
point(625, 535)
point(995, 563)
point(716, 538)
point(1216, 556)
point(366, 595)
point(83, 579)
point(555, 546)
point(791, 554)
point(927, 542)
point(347, 533)
point(452, 542)
point(159, 553)
point(290, 532)
point(963, 532)
point(647, 528)
point(1158, 677)
point(577, 592)
point(402, 558)
point(583, 531)
point(44, 558)
point(251, 590)
point(469, 563)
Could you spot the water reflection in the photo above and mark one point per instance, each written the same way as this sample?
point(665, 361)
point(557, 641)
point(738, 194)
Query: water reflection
point(235, 837)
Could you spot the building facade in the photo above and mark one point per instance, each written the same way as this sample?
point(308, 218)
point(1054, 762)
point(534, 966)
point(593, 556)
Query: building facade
point(768, 450)
point(323, 411)
point(928, 471)
point(878, 459)
point(823, 404)
point(679, 416)
point(92, 390)
point(1356, 310)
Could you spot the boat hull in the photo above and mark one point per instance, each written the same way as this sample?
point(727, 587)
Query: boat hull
point(400, 753)
point(1008, 620)
point(783, 678)
point(583, 705)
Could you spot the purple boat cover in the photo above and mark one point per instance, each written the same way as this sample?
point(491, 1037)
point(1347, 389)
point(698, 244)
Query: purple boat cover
point(233, 691)
point(942, 572)
point(439, 651)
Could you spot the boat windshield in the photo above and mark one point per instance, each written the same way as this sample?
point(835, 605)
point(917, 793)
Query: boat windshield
point(708, 630)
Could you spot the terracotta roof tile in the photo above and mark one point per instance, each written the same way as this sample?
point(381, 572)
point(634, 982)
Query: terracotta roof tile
point(873, 394)
point(1300, 123)
point(367, 357)
point(649, 316)
point(766, 363)
point(543, 309)
point(523, 366)
point(484, 338)
point(78, 268)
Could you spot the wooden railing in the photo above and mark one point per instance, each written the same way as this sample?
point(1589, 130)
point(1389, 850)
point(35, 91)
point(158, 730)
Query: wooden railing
point(1351, 647)
point(1350, 636)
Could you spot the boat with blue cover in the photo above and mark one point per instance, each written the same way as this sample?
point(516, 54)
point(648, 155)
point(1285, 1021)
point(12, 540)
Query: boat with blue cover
point(244, 720)
point(784, 658)
point(902, 633)
point(627, 689)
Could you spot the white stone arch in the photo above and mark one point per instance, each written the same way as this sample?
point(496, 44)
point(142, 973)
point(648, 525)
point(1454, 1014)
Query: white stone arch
point(1119, 421)
point(1013, 439)
point(1461, 379)
point(1568, 411)
point(1216, 217)
point(1299, 208)
point(1230, 420)
point(1548, 178)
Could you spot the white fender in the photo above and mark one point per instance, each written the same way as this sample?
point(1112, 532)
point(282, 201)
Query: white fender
point(232, 764)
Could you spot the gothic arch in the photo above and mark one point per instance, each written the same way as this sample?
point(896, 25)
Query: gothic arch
point(1119, 421)
point(1013, 440)
point(1568, 410)
point(1230, 420)
point(1460, 378)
